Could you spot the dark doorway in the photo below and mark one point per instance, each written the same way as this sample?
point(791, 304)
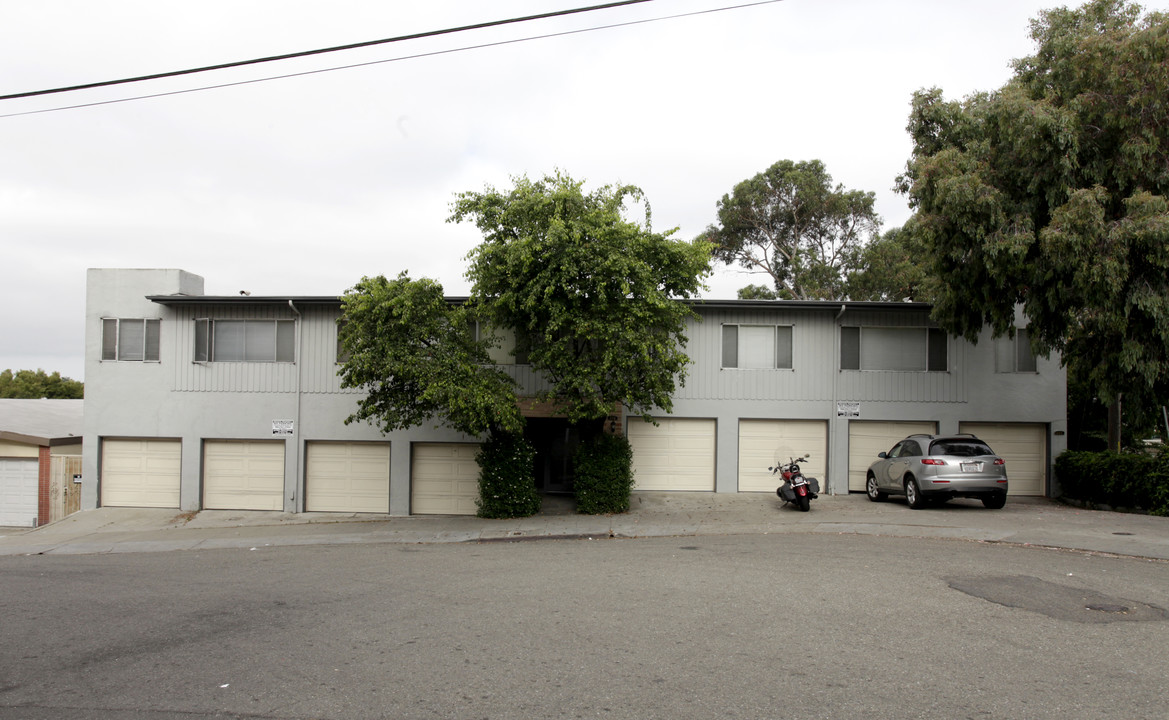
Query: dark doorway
point(556, 441)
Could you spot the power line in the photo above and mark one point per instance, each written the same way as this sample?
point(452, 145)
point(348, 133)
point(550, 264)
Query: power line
point(389, 60)
point(306, 53)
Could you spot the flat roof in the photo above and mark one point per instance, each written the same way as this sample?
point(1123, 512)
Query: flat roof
point(41, 422)
point(826, 305)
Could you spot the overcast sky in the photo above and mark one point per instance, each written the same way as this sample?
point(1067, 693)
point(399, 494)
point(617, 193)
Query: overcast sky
point(303, 185)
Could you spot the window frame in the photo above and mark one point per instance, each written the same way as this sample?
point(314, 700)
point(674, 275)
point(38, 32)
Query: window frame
point(509, 343)
point(936, 349)
point(779, 350)
point(341, 357)
point(1013, 354)
point(151, 339)
point(283, 344)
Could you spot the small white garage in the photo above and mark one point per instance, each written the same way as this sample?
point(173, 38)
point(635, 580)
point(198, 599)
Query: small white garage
point(1023, 446)
point(243, 475)
point(347, 477)
point(140, 473)
point(675, 454)
point(18, 492)
point(767, 443)
point(444, 479)
point(867, 438)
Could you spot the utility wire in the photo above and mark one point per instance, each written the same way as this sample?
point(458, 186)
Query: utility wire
point(306, 53)
point(397, 59)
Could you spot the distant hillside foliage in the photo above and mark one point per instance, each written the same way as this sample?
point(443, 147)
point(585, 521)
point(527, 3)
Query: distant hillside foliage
point(32, 384)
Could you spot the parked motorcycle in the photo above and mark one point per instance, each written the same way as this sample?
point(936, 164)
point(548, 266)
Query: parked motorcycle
point(797, 489)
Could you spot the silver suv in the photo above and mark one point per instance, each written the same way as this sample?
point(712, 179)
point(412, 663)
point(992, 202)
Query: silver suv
point(927, 468)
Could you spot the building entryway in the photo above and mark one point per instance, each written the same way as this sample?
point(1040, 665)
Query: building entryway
point(556, 441)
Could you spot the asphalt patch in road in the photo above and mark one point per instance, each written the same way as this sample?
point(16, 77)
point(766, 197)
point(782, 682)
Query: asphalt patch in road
point(1061, 602)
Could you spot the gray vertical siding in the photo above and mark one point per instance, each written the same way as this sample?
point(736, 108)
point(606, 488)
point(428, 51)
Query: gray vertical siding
point(180, 398)
point(239, 377)
point(315, 367)
point(815, 373)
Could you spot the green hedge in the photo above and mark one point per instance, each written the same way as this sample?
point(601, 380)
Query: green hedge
point(604, 475)
point(507, 487)
point(1120, 480)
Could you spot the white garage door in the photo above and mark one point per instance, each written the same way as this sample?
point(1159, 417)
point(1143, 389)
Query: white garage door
point(444, 479)
point(141, 473)
point(677, 454)
point(347, 477)
point(243, 475)
point(18, 492)
point(766, 443)
point(1023, 446)
point(868, 438)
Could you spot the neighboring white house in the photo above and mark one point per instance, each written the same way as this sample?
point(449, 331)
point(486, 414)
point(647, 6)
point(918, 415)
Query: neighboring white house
point(40, 459)
point(233, 402)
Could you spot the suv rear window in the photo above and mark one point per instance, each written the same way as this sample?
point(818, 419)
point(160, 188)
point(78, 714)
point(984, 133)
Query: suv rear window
point(960, 448)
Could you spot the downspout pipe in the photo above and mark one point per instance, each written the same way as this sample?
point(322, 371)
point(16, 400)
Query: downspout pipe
point(297, 501)
point(829, 486)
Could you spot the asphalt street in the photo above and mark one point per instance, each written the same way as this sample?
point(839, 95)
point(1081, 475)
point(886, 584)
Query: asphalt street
point(795, 624)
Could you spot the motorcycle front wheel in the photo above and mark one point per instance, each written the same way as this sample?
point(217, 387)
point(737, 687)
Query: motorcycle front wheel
point(804, 502)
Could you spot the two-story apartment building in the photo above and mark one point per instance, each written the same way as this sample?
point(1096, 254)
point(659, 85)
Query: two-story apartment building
point(233, 402)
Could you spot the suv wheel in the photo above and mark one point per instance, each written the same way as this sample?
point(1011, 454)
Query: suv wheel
point(871, 488)
point(913, 494)
point(995, 502)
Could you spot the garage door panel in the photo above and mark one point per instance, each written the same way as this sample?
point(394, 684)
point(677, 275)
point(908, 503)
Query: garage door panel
point(444, 479)
point(764, 443)
point(347, 477)
point(867, 438)
point(18, 492)
point(677, 454)
point(141, 473)
point(243, 475)
point(1023, 446)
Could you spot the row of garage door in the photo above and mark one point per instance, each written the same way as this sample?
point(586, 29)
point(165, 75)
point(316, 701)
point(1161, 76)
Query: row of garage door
point(677, 454)
point(249, 475)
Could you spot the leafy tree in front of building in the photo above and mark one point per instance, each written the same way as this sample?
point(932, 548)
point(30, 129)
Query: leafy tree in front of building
point(591, 295)
point(417, 358)
point(1052, 193)
point(793, 224)
point(32, 384)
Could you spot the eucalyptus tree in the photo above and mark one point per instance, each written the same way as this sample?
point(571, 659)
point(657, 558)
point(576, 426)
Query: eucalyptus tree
point(1051, 193)
point(791, 223)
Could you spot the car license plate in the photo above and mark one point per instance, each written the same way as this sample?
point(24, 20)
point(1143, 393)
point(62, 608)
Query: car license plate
point(971, 467)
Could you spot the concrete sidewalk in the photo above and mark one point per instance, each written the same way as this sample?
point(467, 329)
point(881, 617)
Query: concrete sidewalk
point(1024, 521)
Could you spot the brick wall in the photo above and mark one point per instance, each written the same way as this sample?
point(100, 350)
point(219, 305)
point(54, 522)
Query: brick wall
point(44, 467)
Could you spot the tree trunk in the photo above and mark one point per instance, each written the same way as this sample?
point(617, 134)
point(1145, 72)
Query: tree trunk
point(1114, 424)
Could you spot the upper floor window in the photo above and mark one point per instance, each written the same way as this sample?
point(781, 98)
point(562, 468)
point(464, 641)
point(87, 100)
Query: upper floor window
point(1013, 353)
point(903, 349)
point(757, 346)
point(342, 354)
point(130, 339)
point(511, 347)
point(260, 341)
